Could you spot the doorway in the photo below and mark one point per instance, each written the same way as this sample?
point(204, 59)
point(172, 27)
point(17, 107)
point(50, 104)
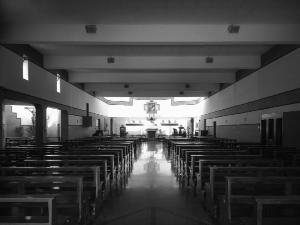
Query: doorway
point(263, 131)
point(271, 131)
point(215, 129)
point(18, 123)
point(53, 116)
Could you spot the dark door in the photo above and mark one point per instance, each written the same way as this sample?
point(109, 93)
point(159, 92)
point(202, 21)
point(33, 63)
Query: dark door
point(263, 131)
point(278, 132)
point(111, 126)
point(271, 131)
point(215, 129)
point(98, 124)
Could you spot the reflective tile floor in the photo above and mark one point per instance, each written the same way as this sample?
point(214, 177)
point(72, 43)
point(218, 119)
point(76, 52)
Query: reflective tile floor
point(153, 196)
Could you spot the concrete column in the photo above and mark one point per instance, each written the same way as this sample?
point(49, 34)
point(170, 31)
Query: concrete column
point(64, 125)
point(111, 126)
point(40, 124)
point(192, 127)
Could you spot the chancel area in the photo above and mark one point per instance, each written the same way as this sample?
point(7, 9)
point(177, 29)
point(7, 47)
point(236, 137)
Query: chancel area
point(149, 112)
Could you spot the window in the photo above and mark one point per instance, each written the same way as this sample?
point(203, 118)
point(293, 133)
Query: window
point(121, 99)
point(58, 83)
point(25, 68)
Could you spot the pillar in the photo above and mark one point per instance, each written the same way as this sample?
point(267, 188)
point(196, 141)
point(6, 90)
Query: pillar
point(192, 127)
point(111, 126)
point(64, 125)
point(40, 124)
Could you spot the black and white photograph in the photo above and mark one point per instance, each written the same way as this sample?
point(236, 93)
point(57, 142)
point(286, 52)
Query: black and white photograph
point(150, 112)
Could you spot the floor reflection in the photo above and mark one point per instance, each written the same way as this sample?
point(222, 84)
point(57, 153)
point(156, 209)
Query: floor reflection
point(152, 195)
point(152, 169)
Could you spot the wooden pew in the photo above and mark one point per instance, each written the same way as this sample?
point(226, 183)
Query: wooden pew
point(217, 181)
point(190, 156)
point(68, 192)
point(262, 201)
point(195, 158)
point(120, 162)
point(91, 179)
point(184, 154)
point(15, 141)
point(179, 154)
point(104, 172)
point(109, 158)
point(21, 209)
point(200, 171)
point(28, 153)
point(177, 148)
point(239, 199)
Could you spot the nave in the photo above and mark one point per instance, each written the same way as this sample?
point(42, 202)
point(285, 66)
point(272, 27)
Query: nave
point(153, 195)
point(174, 180)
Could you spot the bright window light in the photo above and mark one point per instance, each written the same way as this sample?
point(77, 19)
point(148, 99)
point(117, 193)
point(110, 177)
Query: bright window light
point(25, 69)
point(121, 99)
point(58, 83)
point(185, 98)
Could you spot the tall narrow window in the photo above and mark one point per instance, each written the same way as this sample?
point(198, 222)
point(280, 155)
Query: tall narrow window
point(25, 68)
point(58, 83)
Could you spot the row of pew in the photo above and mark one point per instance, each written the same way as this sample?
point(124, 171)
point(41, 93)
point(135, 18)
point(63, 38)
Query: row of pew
point(241, 183)
point(63, 183)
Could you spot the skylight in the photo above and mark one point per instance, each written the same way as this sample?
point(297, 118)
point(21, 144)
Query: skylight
point(119, 99)
point(185, 98)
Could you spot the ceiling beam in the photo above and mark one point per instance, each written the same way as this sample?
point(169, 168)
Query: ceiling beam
point(149, 93)
point(151, 62)
point(152, 77)
point(173, 34)
point(151, 87)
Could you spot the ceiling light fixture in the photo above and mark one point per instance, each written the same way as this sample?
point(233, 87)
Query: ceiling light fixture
point(91, 29)
point(110, 60)
point(233, 29)
point(209, 59)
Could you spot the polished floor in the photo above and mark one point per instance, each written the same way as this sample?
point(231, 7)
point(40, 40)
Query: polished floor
point(152, 195)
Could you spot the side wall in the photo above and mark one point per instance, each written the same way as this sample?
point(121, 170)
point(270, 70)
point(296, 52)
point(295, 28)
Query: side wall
point(41, 88)
point(238, 109)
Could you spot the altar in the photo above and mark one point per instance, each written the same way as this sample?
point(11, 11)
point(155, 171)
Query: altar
point(151, 132)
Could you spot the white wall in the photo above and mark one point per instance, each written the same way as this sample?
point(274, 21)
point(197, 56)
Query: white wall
point(42, 84)
point(280, 76)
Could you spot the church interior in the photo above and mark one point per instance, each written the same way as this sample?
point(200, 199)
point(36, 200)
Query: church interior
point(162, 112)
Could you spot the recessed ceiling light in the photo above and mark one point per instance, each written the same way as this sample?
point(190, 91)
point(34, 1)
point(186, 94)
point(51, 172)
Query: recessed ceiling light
point(130, 92)
point(233, 29)
point(209, 59)
point(110, 60)
point(181, 93)
point(91, 28)
point(187, 85)
point(126, 85)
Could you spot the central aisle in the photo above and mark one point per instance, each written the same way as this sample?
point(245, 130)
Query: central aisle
point(152, 195)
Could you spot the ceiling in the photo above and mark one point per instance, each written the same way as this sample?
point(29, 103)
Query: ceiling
point(160, 47)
